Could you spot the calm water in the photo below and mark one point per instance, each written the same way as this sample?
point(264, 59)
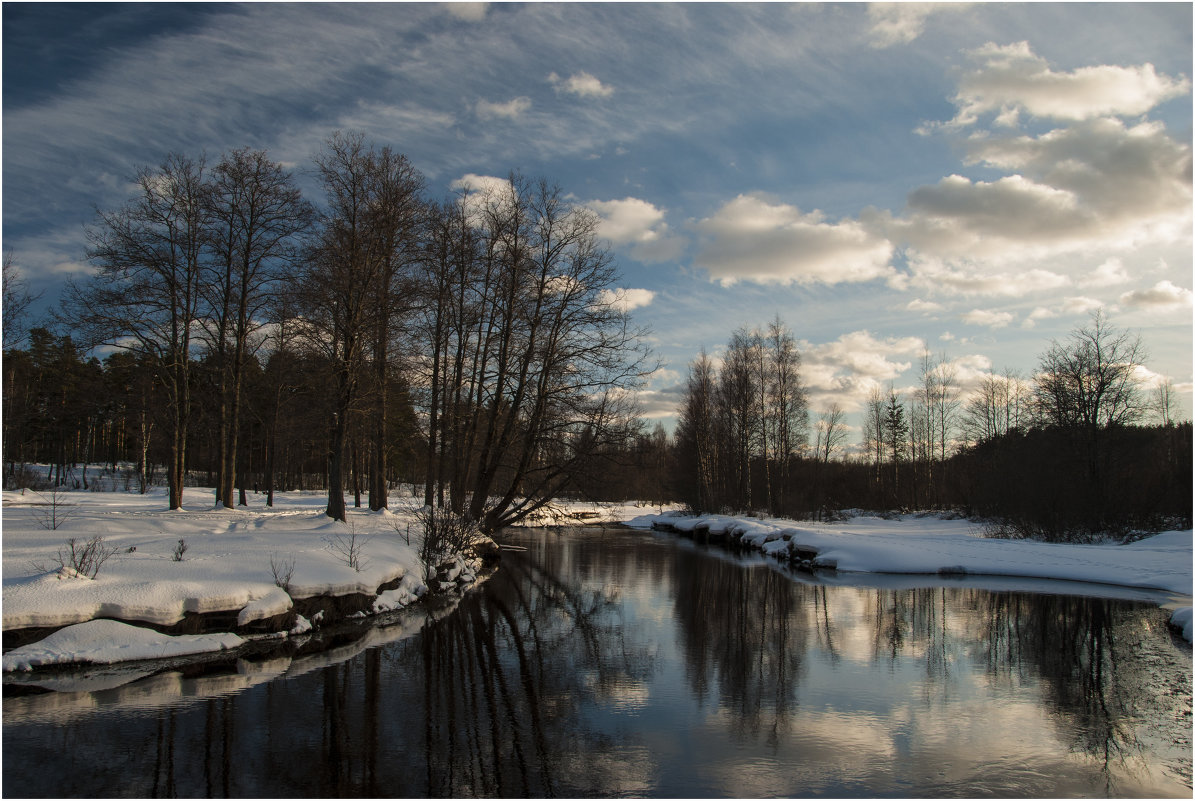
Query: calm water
point(603, 663)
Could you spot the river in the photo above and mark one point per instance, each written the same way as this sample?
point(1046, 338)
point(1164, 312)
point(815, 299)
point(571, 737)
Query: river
point(605, 662)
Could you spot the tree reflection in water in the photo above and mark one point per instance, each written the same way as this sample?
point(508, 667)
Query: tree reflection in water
point(597, 665)
point(508, 675)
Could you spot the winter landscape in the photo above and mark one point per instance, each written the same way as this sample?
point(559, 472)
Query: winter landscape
point(162, 564)
point(588, 400)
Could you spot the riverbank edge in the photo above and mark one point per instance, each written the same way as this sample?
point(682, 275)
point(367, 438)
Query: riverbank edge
point(735, 536)
point(307, 614)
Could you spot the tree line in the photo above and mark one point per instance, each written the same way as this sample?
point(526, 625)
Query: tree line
point(476, 345)
point(1064, 454)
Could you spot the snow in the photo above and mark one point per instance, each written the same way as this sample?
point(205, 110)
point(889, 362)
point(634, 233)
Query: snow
point(236, 558)
point(918, 544)
point(229, 565)
point(103, 642)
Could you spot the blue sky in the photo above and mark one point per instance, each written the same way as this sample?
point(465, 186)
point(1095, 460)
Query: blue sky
point(975, 179)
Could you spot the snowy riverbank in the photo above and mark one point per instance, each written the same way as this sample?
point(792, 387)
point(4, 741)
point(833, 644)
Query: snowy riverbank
point(206, 579)
point(916, 544)
point(171, 569)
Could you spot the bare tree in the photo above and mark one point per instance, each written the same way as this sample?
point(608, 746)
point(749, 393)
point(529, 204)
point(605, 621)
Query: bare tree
point(1086, 386)
point(787, 404)
point(995, 408)
point(256, 211)
point(17, 300)
point(1090, 382)
point(831, 432)
point(145, 295)
point(1164, 402)
point(695, 436)
point(338, 292)
point(537, 354)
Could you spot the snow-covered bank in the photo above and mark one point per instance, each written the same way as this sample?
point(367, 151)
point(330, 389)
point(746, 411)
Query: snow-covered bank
point(165, 568)
point(912, 544)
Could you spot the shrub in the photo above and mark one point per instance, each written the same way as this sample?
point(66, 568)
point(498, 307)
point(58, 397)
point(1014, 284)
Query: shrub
point(444, 533)
point(85, 558)
point(283, 570)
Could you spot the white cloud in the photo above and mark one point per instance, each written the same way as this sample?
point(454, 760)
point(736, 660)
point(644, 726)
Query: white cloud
point(753, 239)
point(581, 84)
point(1109, 273)
point(986, 318)
point(1161, 296)
point(977, 278)
point(850, 368)
point(626, 299)
point(641, 225)
point(484, 184)
point(901, 23)
point(510, 110)
point(467, 11)
point(1071, 307)
point(1012, 77)
point(923, 306)
point(1093, 187)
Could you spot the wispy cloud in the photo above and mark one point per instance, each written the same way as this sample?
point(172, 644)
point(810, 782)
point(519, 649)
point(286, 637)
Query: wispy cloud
point(892, 24)
point(511, 109)
point(987, 318)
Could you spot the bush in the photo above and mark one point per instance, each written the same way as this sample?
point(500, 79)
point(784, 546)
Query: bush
point(85, 558)
point(445, 533)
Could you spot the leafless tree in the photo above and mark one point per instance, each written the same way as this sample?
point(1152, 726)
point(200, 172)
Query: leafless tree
point(536, 358)
point(256, 212)
point(995, 408)
point(697, 443)
point(1164, 402)
point(343, 296)
point(17, 300)
point(831, 431)
point(1090, 382)
point(145, 295)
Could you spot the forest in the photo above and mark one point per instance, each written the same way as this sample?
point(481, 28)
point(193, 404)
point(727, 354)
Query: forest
point(236, 335)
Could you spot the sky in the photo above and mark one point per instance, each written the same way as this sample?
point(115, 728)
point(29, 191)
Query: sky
point(971, 179)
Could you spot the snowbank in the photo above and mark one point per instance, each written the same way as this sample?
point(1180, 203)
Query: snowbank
point(247, 565)
point(913, 544)
point(103, 642)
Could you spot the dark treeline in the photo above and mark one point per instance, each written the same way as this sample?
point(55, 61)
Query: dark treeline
point(1062, 456)
point(476, 346)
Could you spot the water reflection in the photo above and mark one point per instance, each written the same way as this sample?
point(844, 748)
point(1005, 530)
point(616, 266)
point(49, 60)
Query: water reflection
point(607, 664)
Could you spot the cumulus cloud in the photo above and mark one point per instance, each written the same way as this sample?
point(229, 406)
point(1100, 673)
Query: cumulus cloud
point(848, 369)
point(1012, 78)
point(581, 84)
point(484, 184)
point(987, 318)
point(510, 110)
point(626, 299)
point(753, 239)
point(1092, 187)
point(640, 225)
point(1161, 296)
